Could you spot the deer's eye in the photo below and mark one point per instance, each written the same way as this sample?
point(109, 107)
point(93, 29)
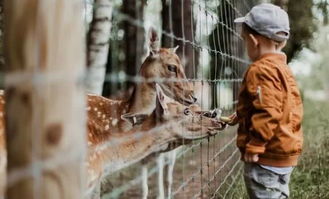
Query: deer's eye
point(172, 68)
point(187, 111)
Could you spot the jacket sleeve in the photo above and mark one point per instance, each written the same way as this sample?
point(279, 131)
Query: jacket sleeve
point(265, 90)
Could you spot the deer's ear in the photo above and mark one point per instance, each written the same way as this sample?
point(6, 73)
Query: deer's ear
point(174, 49)
point(154, 43)
point(162, 99)
point(134, 119)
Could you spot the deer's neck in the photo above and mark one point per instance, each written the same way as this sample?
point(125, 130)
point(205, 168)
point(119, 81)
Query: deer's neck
point(127, 148)
point(143, 99)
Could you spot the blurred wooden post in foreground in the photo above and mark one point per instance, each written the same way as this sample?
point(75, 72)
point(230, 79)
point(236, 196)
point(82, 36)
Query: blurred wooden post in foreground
point(45, 120)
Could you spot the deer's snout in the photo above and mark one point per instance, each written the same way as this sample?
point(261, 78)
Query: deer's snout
point(194, 99)
point(210, 114)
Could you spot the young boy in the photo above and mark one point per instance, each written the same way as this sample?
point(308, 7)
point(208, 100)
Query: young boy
point(270, 109)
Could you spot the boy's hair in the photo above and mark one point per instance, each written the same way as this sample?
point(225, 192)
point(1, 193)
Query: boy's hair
point(248, 30)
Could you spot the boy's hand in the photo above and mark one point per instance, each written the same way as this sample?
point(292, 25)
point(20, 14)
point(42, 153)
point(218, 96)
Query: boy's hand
point(249, 157)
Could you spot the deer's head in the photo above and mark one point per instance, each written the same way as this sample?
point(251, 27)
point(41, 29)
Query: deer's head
point(188, 122)
point(192, 122)
point(164, 63)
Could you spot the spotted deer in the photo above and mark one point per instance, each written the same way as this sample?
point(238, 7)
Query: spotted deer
point(170, 121)
point(161, 63)
point(110, 151)
point(115, 115)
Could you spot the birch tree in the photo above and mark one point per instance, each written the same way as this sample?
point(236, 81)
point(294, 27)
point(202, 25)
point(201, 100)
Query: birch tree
point(98, 46)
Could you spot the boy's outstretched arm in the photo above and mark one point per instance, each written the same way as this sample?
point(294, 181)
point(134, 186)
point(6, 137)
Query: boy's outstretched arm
point(264, 87)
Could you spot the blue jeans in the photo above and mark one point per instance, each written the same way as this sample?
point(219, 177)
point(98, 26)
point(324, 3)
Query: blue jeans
point(265, 184)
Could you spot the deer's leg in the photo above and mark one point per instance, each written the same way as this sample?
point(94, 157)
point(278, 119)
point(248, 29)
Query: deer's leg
point(144, 181)
point(171, 164)
point(96, 194)
point(160, 163)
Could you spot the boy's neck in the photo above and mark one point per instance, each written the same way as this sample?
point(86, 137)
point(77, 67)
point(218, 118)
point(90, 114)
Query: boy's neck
point(269, 50)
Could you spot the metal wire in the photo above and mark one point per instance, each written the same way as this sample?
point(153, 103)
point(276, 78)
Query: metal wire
point(214, 155)
point(218, 62)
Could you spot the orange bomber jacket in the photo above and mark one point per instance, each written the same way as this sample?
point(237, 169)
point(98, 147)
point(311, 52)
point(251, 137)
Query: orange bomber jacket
point(270, 112)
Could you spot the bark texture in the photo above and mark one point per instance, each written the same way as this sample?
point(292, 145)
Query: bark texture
point(98, 46)
point(134, 36)
point(45, 113)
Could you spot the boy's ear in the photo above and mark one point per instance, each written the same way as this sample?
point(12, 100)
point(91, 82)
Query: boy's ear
point(253, 39)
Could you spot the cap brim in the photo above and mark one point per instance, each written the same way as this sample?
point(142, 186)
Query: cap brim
point(240, 20)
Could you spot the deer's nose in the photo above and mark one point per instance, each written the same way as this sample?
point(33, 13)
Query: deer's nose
point(194, 99)
point(213, 114)
point(210, 114)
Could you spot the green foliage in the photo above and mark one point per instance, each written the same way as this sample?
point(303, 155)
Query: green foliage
point(317, 79)
point(323, 7)
point(302, 25)
point(310, 178)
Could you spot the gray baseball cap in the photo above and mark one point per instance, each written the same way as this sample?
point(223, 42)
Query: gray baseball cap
point(268, 20)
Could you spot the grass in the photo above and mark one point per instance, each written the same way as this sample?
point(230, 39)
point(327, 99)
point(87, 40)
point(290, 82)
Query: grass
point(310, 179)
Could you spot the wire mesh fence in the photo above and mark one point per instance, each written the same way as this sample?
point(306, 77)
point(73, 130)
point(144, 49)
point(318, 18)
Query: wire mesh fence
point(211, 49)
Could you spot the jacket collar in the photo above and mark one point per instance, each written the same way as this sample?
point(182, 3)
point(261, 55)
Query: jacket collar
point(281, 57)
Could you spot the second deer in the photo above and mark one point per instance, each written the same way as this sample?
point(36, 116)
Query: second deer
point(170, 121)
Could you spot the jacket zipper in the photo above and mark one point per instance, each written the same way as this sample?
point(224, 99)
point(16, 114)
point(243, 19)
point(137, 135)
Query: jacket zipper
point(259, 93)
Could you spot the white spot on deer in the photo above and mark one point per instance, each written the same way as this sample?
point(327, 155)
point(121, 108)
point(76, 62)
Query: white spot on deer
point(88, 109)
point(114, 122)
point(106, 127)
point(101, 104)
point(104, 116)
point(95, 109)
point(1, 114)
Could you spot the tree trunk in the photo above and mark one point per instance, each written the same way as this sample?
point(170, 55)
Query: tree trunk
point(98, 46)
point(134, 36)
point(45, 115)
point(282, 3)
point(131, 47)
point(2, 61)
point(172, 22)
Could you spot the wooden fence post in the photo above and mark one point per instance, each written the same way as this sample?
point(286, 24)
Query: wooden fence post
point(45, 115)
